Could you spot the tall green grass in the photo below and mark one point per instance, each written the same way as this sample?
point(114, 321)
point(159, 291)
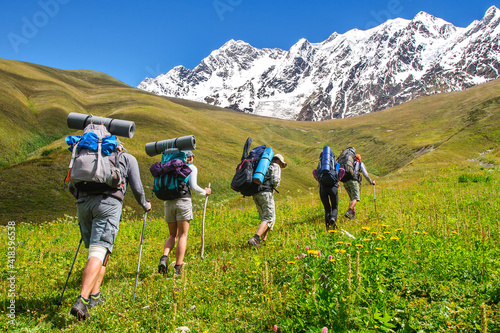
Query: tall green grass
point(425, 261)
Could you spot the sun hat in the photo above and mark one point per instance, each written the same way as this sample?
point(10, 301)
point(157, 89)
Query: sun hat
point(188, 153)
point(279, 157)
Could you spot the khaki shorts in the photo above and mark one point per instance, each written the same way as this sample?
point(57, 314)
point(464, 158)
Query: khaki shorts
point(99, 218)
point(352, 189)
point(265, 206)
point(178, 210)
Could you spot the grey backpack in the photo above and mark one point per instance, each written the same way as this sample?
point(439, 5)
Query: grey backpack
point(89, 168)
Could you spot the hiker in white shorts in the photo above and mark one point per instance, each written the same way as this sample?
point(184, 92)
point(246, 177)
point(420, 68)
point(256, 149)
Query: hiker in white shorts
point(178, 214)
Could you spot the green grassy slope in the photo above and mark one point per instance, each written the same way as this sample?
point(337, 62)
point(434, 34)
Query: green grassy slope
point(406, 140)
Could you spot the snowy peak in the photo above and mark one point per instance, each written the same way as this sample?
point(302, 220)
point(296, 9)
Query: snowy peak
point(491, 14)
point(347, 74)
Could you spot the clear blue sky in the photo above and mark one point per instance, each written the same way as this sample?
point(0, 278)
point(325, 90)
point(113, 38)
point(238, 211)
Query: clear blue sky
point(134, 39)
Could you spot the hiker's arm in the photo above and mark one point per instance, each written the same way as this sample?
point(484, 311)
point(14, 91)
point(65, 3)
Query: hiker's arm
point(365, 174)
point(73, 190)
point(193, 181)
point(274, 174)
point(134, 180)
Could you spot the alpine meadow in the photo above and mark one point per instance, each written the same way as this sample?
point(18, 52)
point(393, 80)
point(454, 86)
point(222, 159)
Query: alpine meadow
point(421, 256)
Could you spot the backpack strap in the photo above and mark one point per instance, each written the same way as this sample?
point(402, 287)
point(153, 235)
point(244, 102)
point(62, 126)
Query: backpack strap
point(72, 160)
point(99, 156)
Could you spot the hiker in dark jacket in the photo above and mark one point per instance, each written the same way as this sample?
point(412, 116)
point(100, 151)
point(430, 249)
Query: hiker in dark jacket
point(330, 200)
point(178, 214)
point(264, 200)
point(352, 186)
point(99, 216)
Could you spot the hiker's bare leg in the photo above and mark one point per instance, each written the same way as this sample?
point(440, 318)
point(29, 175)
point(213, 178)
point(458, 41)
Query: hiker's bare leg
point(262, 230)
point(90, 276)
point(264, 235)
point(182, 234)
point(170, 242)
point(352, 205)
point(97, 284)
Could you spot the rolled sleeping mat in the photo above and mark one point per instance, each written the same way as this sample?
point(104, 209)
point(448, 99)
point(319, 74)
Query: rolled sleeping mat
point(326, 157)
point(263, 165)
point(182, 143)
point(118, 127)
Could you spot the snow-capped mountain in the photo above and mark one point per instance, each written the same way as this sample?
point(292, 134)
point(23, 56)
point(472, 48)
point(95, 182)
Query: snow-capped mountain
point(346, 75)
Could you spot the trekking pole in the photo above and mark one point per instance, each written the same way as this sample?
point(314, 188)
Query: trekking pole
point(71, 269)
point(374, 198)
point(203, 227)
point(140, 253)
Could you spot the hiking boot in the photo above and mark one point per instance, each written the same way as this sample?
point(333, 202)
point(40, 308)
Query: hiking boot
point(332, 225)
point(162, 266)
point(178, 270)
point(253, 242)
point(80, 308)
point(95, 300)
point(350, 214)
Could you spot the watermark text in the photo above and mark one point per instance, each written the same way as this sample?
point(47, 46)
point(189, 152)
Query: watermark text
point(30, 26)
point(11, 279)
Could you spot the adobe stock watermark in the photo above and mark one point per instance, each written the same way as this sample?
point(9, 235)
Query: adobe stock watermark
point(11, 279)
point(31, 26)
point(393, 8)
point(223, 6)
point(154, 72)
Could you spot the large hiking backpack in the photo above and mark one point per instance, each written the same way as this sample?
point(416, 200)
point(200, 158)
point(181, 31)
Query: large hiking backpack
point(90, 167)
point(263, 165)
point(171, 176)
point(347, 161)
point(327, 168)
point(243, 178)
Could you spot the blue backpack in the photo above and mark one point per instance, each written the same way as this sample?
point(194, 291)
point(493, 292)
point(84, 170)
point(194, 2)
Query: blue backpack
point(243, 178)
point(328, 168)
point(171, 176)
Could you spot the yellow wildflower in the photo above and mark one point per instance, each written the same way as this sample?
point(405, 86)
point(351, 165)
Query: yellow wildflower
point(399, 229)
point(365, 228)
point(394, 238)
point(378, 248)
point(359, 245)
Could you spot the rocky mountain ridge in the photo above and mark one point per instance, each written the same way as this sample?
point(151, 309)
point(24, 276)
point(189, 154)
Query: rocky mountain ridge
point(346, 75)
